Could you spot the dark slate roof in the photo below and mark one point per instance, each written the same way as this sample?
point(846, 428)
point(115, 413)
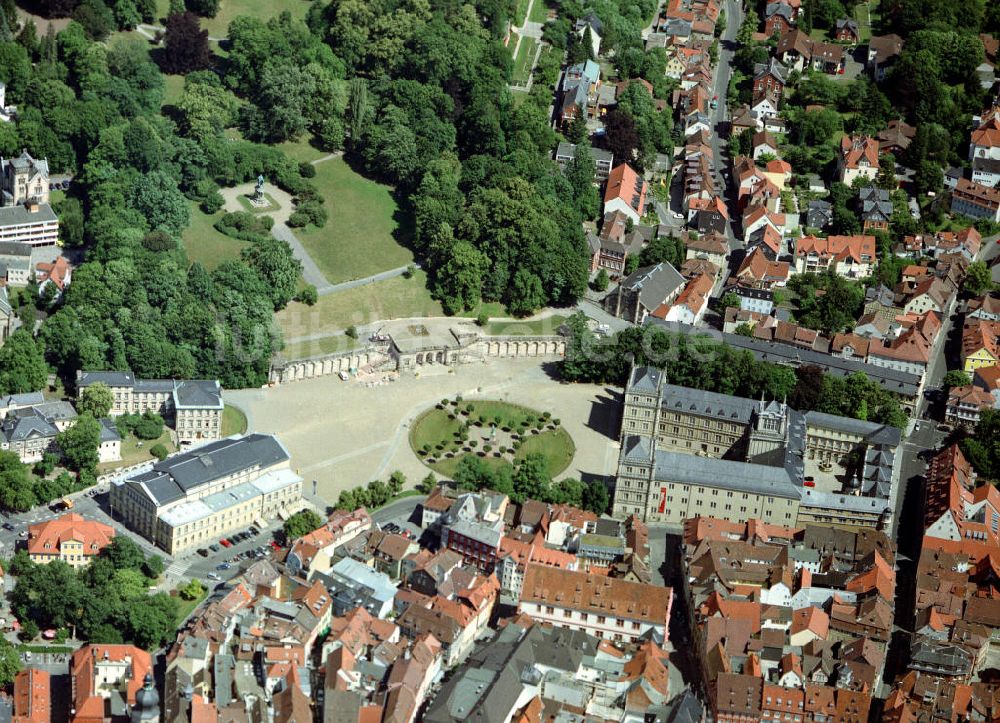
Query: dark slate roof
point(875, 203)
point(12, 248)
point(25, 424)
point(21, 216)
point(175, 477)
point(654, 284)
point(872, 432)
point(772, 67)
point(22, 400)
point(645, 379)
point(889, 379)
point(109, 432)
point(198, 393)
point(727, 474)
point(112, 379)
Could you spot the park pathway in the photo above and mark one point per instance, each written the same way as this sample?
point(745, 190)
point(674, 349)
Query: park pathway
point(530, 30)
point(310, 271)
point(149, 32)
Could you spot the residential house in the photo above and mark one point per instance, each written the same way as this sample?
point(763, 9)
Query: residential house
point(626, 192)
point(57, 274)
point(828, 57)
point(965, 404)
point(853, 257)
point(754, 300)
point(594, 25)
point(896, 138)
point(15, 263)
point(31, 431)
point(980, 344)
point(580, 84)
point(883, 52)
point(774, 124)
point(390, 553)
point(566, 153)
point(876, 208)
point(972, 199)
point(708, 216)
point(931, 294)
point(711, 246)
point(353, 584)
point(742, 121)
point(32, 693)
point(819, 214)
point(757, 217)
point(765, 104)
point(613, 246)
point(644, 292)
point(314, 552)
point(985, 307)
point(70, 538)
point(846, 30)
point(763, 144)
point(794, 49)
point(767, 239)
point(106, 678)
point(757, 271)
point(606, 607)
point(692, 302)
point(25, 213)
point(770, 78)
point(779, 18)
point(858, 157)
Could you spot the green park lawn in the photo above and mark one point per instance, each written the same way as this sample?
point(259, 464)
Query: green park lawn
point(359, 239)
point(539, 12)
point(538, 327)
point(438, 432)
point(319, 347)
point(135, 450)
point(301, 150)
point(521, 12)
point(218, 26)
point(204, 244)
point(174, 90)
point(394, 298)
point(249, 207)
point(234, 421)
point(524, 61)
point(186, 607)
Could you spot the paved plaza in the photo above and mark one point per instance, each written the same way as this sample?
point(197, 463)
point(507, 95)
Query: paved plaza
point(343, 434)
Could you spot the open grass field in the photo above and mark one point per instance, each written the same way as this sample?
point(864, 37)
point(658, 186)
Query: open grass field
point(234, 421)
point(394, 298)
point(548, 325)
point(206, 245)
point(521, 12)
point(186, 607)
point(175, 89)
point(435, 436)
point(359, 238)
point(301, 150)
point(524, 61)
point(318, 347)
point(133, 453)
point(228, 9)
point(539, 12)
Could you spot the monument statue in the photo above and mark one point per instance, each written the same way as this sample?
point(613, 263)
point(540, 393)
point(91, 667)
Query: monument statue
point(259, 190)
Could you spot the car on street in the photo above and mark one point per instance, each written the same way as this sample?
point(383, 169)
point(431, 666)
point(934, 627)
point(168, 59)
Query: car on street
point(9, 527)
point(225, 543)
point(677, 215)
point(214, 576)
point(203, 552)
point(65, 184)
point(223, 566)
point(275, 545)
point(213, 548)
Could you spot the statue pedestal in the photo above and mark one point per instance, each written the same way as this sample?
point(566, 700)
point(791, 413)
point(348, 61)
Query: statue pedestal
point(260, 201)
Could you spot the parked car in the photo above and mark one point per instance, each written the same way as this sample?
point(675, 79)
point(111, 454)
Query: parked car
point(214, 576)
point(275, 545)
point(254, 531)
point(222, 566)
point(9, 527)
point(203, 552)
point(225, 543)
point(213, 548)
point(65, 184)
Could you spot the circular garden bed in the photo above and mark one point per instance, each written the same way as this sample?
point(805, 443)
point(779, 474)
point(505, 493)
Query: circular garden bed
point(498, 432)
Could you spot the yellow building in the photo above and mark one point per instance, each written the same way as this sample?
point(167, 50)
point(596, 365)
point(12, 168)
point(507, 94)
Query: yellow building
point(979, 344)
point(70, 538)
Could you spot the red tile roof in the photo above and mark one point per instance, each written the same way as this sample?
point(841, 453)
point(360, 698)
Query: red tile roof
point(45, 538)
point(625, 184)
point(32, 696)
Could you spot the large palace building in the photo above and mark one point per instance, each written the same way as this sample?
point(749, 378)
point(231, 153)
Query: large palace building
point(686, 452)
